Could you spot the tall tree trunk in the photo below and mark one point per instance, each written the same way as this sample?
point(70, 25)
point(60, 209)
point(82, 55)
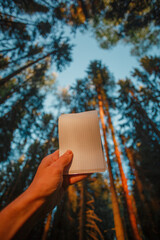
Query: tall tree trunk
point(116, 211)
point(47, 225)
point(58, 221)
point(139, 186)
point(82, 212)
point(128, 199)
point(7, 78)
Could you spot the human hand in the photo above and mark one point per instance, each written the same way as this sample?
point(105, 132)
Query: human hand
point(45, 191)
point(49, 182)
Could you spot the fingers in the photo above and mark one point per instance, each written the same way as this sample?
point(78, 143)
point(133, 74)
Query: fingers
point(65, 159)
point(62, 162)
point(48, 160)
point(71, 179)
point(76, 178)
point(55, 155)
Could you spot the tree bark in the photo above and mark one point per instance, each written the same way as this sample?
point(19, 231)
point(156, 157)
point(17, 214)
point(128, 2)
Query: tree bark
point(139, 186)
point(128, 199)
point(82, 212)
point(58, 221)
point(116, 211)
point(47, 225)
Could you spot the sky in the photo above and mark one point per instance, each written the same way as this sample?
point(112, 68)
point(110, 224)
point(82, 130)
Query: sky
point(118, 59)
point(86, 48)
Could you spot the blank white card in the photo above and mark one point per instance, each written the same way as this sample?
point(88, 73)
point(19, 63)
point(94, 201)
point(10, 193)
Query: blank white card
point(80, 133)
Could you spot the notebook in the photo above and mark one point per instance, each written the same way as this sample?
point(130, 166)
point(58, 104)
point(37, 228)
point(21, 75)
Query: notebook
point(80, 133)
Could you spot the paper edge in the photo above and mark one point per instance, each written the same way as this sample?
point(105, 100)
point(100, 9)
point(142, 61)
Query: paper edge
point(85, 171)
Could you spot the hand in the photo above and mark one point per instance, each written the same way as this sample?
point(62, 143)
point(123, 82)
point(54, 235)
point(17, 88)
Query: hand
point(45, 191)
point(49, 182)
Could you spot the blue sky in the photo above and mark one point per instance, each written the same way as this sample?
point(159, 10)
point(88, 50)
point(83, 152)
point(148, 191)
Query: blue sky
point(118, 59)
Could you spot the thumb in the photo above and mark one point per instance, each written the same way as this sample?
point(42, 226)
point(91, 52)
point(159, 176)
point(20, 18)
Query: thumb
point(65, 159)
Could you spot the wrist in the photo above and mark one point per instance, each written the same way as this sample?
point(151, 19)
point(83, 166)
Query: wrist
point(34, 197)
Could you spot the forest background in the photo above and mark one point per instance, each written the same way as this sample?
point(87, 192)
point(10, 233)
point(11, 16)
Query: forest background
point(36, 44)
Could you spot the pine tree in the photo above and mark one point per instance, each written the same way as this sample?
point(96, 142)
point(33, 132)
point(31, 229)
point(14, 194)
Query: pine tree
point(87, 218)
point(99, 75)
point(19, 114)
point(128, 94)
point(60, 54)
point(147, 223)
point(143, 132)
point(127, 195)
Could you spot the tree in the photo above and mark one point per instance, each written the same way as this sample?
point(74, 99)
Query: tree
point(87, 216)
point(19, 114)
point(18, 32)
point(147, 77)
point(127, 195)
point(99, 75)
point(147, 222)
point(64, 223)
point(141, 127)
point(28, 162)
point(100, 191)
point(135, 22)
point(61, 53)
point(128, 91)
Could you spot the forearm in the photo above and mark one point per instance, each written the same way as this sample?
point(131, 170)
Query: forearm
point(16, 214)
point(45, 191)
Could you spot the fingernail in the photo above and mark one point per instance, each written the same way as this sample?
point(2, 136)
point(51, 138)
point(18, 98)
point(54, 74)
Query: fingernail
point(69, 152)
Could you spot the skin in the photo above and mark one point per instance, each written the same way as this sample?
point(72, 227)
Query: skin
point(45, 191)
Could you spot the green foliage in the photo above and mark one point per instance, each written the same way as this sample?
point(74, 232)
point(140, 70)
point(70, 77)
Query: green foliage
point(133, 22)
point(140, 111)
point(24, 38)
point(145, 99)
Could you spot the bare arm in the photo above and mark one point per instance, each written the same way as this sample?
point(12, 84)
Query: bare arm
point(43, 194)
